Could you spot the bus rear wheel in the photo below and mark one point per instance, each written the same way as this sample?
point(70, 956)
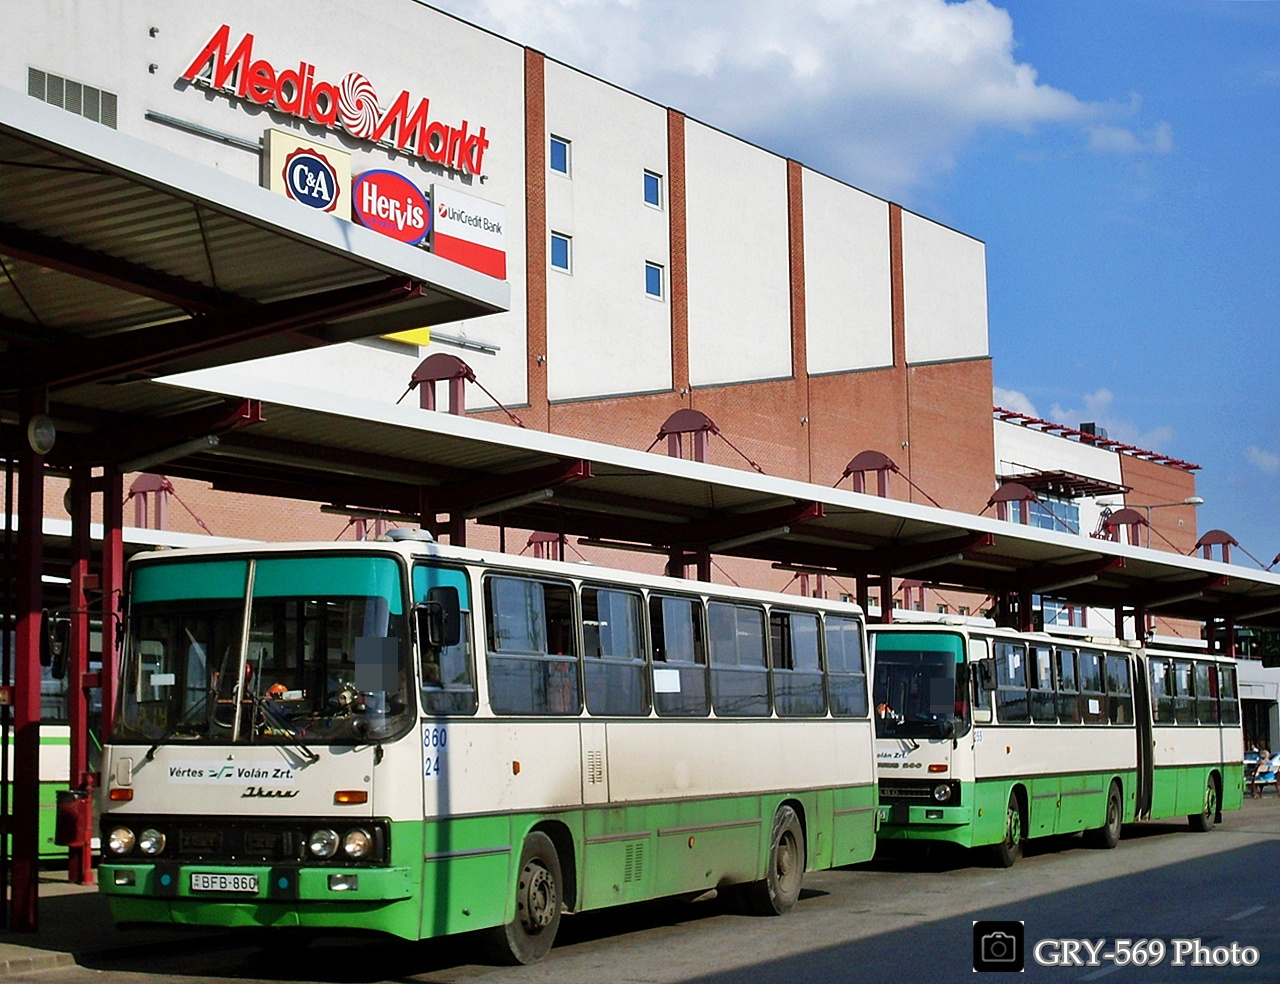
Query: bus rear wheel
point(1008, 851)
point(528, 937)
point(1108, 835)
point(1203, 822)
point(779, 890)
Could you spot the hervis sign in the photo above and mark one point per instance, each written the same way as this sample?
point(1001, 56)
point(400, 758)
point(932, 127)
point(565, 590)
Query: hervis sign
point(391, 204)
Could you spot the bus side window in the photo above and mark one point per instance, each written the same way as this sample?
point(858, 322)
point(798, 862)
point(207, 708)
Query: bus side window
point(679, 657)
point(797, 667)
point(613, 652)
point(1184, 700)
point(1161, 692)
point(1206, 694)
point(1068, 687)
point(739, 670)
point(1092, 695)
point(1043, 709)
point(448, 673)
point(1228, 702)
point(846, 671)
point(1119, 690)
point(533, 668)
point(978, 653)
point(1011, 683)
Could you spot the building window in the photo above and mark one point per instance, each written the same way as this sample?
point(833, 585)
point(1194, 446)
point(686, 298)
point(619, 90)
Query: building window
point(1061, 515)
point(653, 280)
point(560, 251)
point(653, 189)
point(560, 155)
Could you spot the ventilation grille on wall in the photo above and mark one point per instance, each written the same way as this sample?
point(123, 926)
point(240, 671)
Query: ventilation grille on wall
point(75, 97)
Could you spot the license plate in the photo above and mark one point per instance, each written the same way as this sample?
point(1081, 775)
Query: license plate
point(202, 881)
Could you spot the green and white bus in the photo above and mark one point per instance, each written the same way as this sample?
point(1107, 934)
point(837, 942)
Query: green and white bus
point(986, 737)
point(421, 740)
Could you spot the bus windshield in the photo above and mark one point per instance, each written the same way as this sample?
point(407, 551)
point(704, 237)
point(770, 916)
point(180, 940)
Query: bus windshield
point(324, 658)
point(920, 685)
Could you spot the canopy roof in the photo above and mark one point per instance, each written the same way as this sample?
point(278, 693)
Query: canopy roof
point(123, 261)
point(408, 462)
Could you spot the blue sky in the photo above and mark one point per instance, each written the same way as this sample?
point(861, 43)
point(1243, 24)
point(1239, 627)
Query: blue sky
point(1118, 157)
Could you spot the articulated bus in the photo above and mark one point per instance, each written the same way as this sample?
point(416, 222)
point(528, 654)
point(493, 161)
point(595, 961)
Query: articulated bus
point(423, 740)
point(987, 737)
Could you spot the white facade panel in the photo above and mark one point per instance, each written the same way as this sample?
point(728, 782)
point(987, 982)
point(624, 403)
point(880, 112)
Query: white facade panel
point(738, 259)
point(944, 287)
point(848, 300)
point(1020, 450)
point(605, 335)
point(139, 49)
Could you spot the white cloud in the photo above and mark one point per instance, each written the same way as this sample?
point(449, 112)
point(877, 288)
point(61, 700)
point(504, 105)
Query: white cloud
point(880, 92)
point(1265, 461)
point(1108, 139)
point(1099, 408)
point(1013, 400)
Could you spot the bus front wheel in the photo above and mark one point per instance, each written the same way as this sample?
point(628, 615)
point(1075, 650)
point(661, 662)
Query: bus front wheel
point(779, 890)
point(539, 892)
point(1203, 822)
point(1008, 851)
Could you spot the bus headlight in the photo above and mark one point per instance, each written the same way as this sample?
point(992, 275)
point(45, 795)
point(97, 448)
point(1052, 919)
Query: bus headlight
point(151, 841)
point(323, 843)
point(357, 844)
point(120, 840)
point(942, 792)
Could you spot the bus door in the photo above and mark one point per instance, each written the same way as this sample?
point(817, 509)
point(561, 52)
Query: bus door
point(1146, 742)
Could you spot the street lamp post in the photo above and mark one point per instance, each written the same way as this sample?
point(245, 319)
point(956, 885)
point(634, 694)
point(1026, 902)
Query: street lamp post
point(1191, 500)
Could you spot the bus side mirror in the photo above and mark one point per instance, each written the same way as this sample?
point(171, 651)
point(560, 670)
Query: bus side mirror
point(440, 618)
point(55, 642)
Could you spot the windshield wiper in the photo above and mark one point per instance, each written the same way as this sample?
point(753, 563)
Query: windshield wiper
point(182, 721)
point(280, 723)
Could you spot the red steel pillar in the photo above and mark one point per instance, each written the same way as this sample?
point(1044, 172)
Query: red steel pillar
point(112, 587)
point(80, 858)
point(25, 818)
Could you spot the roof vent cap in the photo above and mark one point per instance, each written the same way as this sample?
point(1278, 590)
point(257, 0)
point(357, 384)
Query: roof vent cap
point(409, 533)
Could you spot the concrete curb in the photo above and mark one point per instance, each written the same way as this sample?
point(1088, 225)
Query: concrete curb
point(22, 959)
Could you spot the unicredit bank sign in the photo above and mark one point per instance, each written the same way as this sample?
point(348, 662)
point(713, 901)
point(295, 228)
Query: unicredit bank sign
point(349, 105)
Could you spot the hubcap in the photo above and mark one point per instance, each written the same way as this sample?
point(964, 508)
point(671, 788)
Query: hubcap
point(786, 858)
point(1210, 800)
point(1014, 827)
point(537, 899)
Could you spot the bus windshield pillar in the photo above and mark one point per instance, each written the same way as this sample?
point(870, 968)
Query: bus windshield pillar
point(80, 860)
point(112, 587)
point(25, 818)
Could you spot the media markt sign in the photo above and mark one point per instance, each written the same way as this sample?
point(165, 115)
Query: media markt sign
point(349, 106)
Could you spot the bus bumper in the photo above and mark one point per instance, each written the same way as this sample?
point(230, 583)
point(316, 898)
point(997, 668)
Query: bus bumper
point(356, 898)
point(908, 821)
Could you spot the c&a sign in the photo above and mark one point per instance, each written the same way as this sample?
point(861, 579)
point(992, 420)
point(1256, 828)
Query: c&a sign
point(350, 105)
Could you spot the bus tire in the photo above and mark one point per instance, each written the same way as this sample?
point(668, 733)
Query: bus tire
point(779, 890)
point(1009, 850)
point(1203, 822)
point(539, 894)
point(1108, 835)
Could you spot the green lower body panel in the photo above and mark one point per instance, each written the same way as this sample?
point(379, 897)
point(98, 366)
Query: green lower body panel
point(1052, 805)
point(1179, 790)
point(457, 875)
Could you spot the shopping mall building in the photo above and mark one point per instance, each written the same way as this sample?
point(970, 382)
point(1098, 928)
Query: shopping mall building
point(655, 262)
